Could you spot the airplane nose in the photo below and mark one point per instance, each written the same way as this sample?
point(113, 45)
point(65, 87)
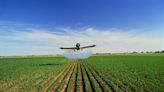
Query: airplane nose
point(78, 45)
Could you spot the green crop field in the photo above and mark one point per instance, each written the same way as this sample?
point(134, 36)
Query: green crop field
point(99, 73)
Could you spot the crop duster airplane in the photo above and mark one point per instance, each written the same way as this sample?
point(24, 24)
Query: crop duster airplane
point(77, 47)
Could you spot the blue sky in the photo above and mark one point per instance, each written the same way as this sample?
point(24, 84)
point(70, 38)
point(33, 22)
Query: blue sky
point(41, 26)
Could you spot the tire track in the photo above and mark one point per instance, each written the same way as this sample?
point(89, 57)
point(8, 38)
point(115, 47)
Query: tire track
point(74, 82)
point(99, 82)
point(90, 81)
point(60, 80)
point(109, 85)
point(82, 85)
point(86, 80)
point(65, 86)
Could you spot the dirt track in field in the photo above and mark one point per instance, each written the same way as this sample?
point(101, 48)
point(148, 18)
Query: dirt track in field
point(77, 77)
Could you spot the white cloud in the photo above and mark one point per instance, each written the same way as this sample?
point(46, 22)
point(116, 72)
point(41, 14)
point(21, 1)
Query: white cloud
point(41, 41)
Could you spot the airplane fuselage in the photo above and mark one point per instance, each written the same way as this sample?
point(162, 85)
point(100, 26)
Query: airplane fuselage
point(78, 46)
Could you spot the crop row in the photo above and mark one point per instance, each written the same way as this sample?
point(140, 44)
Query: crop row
point(77, 77)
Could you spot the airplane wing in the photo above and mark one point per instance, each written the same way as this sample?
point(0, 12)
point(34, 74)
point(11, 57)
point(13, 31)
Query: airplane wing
point(88, 46)
point(72, 48)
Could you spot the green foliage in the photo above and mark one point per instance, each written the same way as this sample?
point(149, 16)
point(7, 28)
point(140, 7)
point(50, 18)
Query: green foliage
point(133, 72)
point(24, 74)
point(142, 72)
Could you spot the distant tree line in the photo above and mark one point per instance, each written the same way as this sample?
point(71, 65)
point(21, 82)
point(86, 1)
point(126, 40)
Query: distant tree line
point(134, 52)
point(159, 51)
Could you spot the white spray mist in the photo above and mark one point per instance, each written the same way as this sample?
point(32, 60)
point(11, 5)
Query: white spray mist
point(77, 54)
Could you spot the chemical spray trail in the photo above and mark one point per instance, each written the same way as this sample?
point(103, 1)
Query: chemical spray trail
point(77, 54)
